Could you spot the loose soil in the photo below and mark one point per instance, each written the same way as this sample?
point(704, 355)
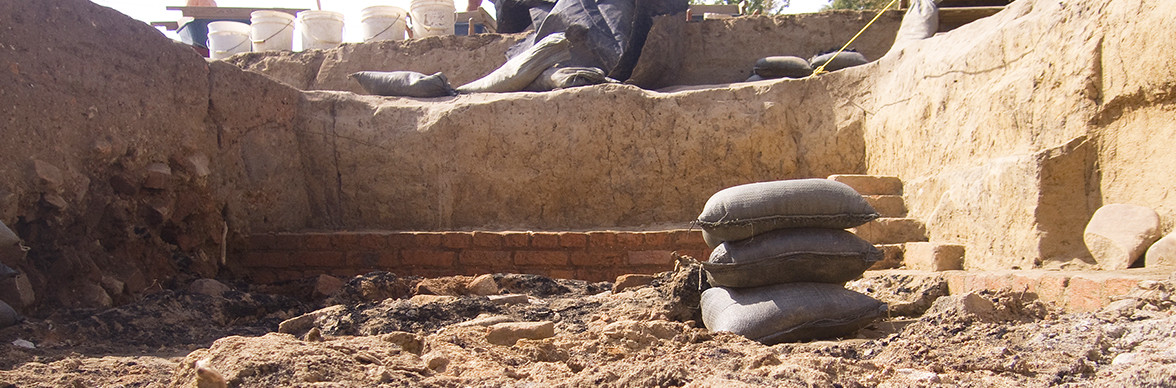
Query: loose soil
point(378, 330)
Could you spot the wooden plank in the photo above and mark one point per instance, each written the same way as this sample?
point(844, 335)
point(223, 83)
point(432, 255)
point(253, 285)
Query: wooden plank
point(170, 26)
point(227, 12)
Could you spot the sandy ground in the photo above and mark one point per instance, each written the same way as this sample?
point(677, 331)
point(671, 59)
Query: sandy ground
point(379, 330)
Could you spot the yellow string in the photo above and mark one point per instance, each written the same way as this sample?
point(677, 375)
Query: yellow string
point(821, 70)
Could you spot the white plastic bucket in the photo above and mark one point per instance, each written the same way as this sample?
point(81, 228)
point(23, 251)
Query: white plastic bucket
point(432, 17)
point(320, 29)
point(272, 30)
point(383, 22)
point(227, 38)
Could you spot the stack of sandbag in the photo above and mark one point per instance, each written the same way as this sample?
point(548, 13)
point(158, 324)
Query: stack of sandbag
point(796, 67)
point(781, 257)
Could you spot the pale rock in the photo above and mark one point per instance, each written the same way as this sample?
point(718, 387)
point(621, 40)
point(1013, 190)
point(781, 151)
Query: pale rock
point(509, 299)
point(919, 375)
point(408, 342)
point(485, 320)
point(48, 177)
point(197, 165)
point(22, 343)
point(157, 176)
point(482, 285)
point(970, 304)
point(1118, 234)
point(209, 287)
point(112, 286)
point(17, 291)
point(93, 295)
point(54, 201)
point(1126, 358)
point(629, 281)
point(305, 322)
point(510, 332)
point(436, 361)
point(426, 299)
point(1162, 254)
point(327, 285)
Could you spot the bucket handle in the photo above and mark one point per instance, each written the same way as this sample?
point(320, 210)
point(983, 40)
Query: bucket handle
point(399, 18)
point(288, 24)
point(231, 48)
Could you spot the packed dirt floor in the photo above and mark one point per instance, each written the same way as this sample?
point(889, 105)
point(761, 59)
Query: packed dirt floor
point(388, 330)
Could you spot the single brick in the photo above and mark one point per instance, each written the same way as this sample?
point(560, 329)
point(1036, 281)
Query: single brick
point(362, 259)
point(266, 259)
point(516, 239)
point(1083, 295)
point(630, 240)
point(602, 240)
point(485, 258)
point(372, 240)
point(597, 259)
point(324, 259)
point(316, 241)
point(286, 241)
point(401, 240)
point(345, 241)
point(686, 239)
point(389, 259)
point(649, 258)
point(457, 239)
point(541, 258)
point(434, 258)
point(573, 240)
point(891, 231)
point(887, 205)
point(264, 241)
point(657, 240)
point(487, 240)
point(544, 240)
point(427, 239)
point(1052, 288)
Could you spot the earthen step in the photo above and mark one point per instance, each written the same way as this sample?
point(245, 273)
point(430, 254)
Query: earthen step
point(871, 184)
point(891, 257)
point(932, 256)
point(891, 231)
point(887, 205)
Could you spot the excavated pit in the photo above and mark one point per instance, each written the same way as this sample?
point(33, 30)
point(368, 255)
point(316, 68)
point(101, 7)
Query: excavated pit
point(136, 171)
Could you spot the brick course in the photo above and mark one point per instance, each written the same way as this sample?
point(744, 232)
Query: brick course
point(592, 256)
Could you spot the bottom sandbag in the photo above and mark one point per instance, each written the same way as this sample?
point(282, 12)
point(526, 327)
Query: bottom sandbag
point(791, 312)
point(403, 84)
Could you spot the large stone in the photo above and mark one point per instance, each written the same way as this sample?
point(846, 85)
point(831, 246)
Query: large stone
point(871, 184)
point(887, 205)
point(482, 285)
point(303, 323)
point(1162, 254)
point(629, 281)
point(891, 231)
point(48, 177)
point(508, 333)
point(327, 285)
point(1118, 234)
point(17, 291)
point(210, 287)
point(933, 256)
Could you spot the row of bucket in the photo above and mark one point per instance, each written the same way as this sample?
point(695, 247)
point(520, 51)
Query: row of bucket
point(274, 30)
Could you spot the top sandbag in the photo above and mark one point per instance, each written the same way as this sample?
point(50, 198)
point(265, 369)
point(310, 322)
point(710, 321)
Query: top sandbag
point(743, 211)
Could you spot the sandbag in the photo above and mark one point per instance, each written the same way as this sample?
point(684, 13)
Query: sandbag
point(403, 83)
point(754, 77)
point(840, 61)
point(11, 249)
point(739, 212)
point(788, 312)
point(567, 77)
point(522, 69)
point(921, 21)
point(782, 66)
point(789, 256)
point(8, 316)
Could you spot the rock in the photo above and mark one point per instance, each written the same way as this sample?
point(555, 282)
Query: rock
point(482, 285)
point(1118, 234)
point(123, 185)
point(485, 320)
point(509, 299)
point(93, 295)
point(408, 342)
point(891, 256)
point(8, 316)
point(628, 281)
point(206, 377)
point(426, 299)
point(112, 286)
point(1162, 254)
point(17, 291)
point(929, 256)
point(1126, 358)
point(48, 177)
point(510, 332)
point(436, 361)
point(305, 322)
point(907, 294)
point(197, 165)
point(891, 231)
point(967, 305)
point(54, 201)
point(209, 287)
point(313, 335)
point(157, 176)
point(327, 285)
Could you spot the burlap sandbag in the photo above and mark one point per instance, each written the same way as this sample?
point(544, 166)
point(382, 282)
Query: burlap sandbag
point(11, 249)
point(567, 77)
point(921, 21)
point(739, 212)
point(782, 67)
point(788, 312)
point(522, 69)
point(403, 84)
point(840, 61)
point(791, 256)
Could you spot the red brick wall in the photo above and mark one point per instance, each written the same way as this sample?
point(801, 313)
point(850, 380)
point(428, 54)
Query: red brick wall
point(593, 256)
